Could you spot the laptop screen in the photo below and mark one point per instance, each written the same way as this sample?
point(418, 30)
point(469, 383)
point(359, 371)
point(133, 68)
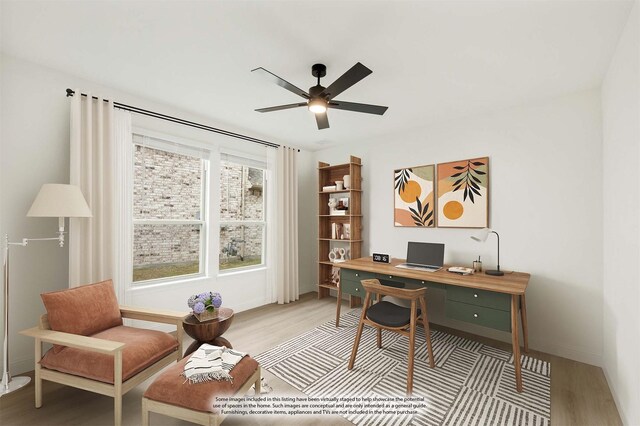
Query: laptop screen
point(428, 254)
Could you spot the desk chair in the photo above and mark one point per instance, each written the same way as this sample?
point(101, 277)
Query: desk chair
point(398, 319)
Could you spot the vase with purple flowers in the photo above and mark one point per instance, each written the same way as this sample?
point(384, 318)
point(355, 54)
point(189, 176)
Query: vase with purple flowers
point(205, 305)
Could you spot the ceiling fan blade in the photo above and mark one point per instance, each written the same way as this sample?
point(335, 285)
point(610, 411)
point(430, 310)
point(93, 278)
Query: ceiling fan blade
point(282, 82)
point(322, 120)
point(352, 106)
point(346, 80)
point(281, 107)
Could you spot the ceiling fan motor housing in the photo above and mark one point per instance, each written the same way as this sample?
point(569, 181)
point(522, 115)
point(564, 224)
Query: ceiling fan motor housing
point(315, 91)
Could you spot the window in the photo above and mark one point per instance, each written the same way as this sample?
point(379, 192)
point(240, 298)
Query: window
point(242, 217)
point(169, 220)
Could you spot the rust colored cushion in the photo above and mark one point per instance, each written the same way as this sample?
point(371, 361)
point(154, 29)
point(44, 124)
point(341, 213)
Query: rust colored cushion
point(143, 348)
point(172, 388)
point(83, 310)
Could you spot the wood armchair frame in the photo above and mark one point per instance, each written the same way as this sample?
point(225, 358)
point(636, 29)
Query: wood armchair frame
point(416, 296)
point(43, 333)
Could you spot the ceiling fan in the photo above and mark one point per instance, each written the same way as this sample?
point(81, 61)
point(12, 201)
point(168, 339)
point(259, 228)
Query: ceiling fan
point(320, 98)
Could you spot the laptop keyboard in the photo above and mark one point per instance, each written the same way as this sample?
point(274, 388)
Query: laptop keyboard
point(418, 267)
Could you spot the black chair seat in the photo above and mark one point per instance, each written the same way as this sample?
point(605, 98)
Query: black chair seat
point(389, 314)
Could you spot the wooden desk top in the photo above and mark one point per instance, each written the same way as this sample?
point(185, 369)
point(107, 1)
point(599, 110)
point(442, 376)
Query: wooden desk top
point(509, 283)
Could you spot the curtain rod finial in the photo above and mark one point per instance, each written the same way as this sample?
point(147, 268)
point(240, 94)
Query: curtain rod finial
point(70, 92)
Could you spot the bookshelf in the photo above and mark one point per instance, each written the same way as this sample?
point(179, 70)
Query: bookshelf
point(338, 231)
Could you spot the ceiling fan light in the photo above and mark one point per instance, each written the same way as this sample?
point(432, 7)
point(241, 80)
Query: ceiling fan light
point(317, 106)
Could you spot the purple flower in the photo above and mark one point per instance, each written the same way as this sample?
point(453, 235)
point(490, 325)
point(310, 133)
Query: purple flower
point(191, 301)
point(216, 300)
point(198, 307)
point(204, 296)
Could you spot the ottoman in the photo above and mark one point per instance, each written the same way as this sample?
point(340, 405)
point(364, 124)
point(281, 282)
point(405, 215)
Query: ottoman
point(170, 394)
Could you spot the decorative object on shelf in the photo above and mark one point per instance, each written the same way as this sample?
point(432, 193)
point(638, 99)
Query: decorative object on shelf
point(346, 232)
point(344, 202)
point(347, 181)
point(463, 194)
point(337, 255)
point(481, 236)
point(414, 197)
point(335, 276)
point(337, 231)
point(333, 203)
point(53, 200)
point(382, 258)
point(205, 305)
point(328, 188)
point(339, 185)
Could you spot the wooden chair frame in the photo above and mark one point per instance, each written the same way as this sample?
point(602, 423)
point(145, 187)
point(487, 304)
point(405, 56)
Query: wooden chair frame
point(416, 296)
point(43, 333)
point(194, 416)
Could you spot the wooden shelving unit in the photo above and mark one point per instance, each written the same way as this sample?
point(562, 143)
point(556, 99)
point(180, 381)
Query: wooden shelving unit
point(328, 175)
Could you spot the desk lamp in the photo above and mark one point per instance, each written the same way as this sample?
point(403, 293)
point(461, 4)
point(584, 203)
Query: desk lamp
point(53, 200)
point(481, 236)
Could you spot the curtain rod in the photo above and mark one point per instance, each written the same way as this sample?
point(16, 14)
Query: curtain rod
point(184, 122)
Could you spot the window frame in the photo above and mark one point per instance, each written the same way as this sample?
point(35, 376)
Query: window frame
point(242, 159)
point(185, 147)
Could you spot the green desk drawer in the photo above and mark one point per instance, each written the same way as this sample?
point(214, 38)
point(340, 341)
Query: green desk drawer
point(488, 299)
point(353, 275)
point(486, 317)
point(409, 281)
point(391, 277)
point(425, 283)
point(353, 288)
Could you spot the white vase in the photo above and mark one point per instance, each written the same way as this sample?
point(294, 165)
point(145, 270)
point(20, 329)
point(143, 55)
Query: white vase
point(347, 181)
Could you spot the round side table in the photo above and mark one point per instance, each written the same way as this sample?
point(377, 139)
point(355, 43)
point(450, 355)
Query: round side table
point(210, 331)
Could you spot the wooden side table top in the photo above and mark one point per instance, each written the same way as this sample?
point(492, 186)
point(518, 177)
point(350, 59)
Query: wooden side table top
point(223, 315)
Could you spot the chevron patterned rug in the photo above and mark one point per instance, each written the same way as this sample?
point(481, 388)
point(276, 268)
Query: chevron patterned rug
point(472, 383)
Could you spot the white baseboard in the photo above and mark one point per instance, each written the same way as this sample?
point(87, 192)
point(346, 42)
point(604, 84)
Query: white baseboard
point(623, 416)
point(22, 365)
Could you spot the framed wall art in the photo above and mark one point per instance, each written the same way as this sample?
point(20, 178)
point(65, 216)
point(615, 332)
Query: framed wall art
point(463, 194)
point(413, 197)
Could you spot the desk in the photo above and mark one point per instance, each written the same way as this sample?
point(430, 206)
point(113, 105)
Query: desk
point(481, 299)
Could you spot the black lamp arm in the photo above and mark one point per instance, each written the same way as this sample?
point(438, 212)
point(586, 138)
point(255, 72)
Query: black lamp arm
point(497, 235)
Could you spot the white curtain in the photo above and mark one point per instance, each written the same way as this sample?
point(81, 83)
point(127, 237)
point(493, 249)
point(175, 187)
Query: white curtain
point(96, 131)
point(286, 215)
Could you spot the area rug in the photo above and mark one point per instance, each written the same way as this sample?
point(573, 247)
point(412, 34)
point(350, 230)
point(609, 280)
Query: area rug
point(472, 383)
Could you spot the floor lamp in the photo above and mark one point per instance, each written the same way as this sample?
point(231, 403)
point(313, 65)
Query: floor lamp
point(53, 200)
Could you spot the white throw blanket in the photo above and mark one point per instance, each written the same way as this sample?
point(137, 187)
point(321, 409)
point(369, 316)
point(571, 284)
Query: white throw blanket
point(211, 363)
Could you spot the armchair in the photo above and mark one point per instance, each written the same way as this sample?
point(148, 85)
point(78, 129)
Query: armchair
point(93, 350)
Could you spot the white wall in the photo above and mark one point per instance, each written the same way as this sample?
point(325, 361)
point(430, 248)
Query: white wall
point(546, 193)
point(34, 118)
point(621, 288)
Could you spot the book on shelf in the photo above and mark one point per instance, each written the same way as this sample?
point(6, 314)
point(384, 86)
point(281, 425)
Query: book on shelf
point(329, 188)
point(336, 231)
point(339, 212)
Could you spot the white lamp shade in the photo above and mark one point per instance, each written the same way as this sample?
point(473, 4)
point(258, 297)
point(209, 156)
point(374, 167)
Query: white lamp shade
point(481, 235)
point(59, 200)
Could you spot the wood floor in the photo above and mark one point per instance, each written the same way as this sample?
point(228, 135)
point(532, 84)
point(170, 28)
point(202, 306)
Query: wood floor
point(579, 392)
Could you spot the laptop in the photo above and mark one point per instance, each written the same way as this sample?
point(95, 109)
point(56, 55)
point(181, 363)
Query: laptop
point(427, 257)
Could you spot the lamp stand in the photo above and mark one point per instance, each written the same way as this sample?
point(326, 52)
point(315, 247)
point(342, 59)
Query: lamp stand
point(497, 271)
point(10, 384)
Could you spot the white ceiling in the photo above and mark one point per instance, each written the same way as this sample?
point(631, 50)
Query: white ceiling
point(431, 60)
